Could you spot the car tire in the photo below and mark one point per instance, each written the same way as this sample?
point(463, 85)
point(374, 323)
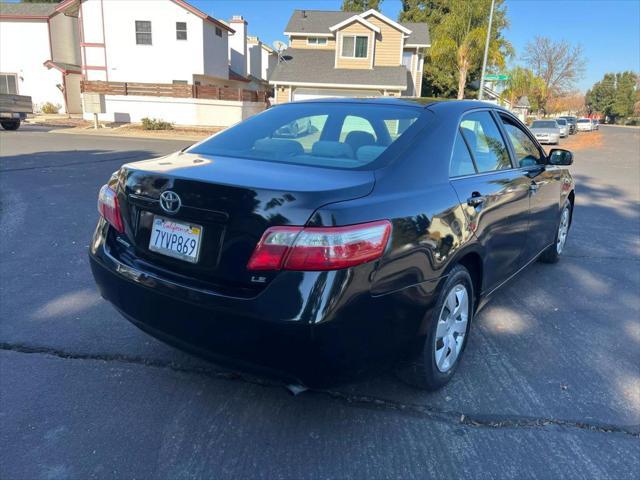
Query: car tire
point(10, 124)
point(437, 362)
point(553, 252)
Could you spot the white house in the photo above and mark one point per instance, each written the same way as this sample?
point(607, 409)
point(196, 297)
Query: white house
point(162, 58)
point(40, 55)
point(261, 59)
point(134, 41)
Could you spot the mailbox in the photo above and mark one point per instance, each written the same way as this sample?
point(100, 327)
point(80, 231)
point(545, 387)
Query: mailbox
point(94, 102)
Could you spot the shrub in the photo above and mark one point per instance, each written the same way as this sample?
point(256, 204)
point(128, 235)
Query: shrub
point(155, 124)
point(49, 107)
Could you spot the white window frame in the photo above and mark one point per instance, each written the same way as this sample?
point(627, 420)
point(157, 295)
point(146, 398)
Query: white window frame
point(318, 41)
point(185, 30)
point(355, 36)
point(150, 32)
point(14, 75)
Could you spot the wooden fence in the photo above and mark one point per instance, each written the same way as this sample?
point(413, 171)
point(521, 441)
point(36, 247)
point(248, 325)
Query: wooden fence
point(175, 90)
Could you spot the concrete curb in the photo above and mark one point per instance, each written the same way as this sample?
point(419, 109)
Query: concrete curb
point(129, 134)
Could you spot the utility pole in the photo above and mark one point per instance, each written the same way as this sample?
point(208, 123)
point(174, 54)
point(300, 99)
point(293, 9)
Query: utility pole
point(486, 52)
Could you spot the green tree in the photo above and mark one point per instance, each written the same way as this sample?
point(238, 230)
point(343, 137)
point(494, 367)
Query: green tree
point(523, 82)
point(615, 95)
point(360, 5)
point(438, 81)
point(600, 98)
point(625, 96)
point(459, 39)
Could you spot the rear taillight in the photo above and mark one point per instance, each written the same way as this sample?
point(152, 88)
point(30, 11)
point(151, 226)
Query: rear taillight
point(109, 208)
point(324, 248)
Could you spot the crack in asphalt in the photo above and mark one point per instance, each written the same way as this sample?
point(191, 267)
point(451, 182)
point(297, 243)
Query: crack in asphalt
point(604, 257)
point(366, 401)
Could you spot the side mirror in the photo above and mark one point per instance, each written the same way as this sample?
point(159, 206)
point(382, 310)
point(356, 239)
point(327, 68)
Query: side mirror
point(559, 156)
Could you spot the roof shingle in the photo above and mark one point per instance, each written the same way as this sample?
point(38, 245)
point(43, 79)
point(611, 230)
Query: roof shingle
point(27, 9)
point(319, 21)
point(317, 67)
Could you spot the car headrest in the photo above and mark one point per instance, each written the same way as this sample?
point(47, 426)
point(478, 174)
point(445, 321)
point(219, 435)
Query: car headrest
point(278, 146)
point(325, 148)
point(359, 139)
point(369, 153)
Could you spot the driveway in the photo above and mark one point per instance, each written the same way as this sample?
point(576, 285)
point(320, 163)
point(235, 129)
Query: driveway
point(549, 387)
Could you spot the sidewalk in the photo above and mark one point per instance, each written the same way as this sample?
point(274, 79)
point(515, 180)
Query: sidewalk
point(76, 125)
point(136, 131)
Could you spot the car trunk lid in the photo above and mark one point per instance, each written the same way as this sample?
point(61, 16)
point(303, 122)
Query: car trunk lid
point(234, 200)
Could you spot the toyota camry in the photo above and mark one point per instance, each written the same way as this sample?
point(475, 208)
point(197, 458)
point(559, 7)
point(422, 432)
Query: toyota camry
point(369, 238)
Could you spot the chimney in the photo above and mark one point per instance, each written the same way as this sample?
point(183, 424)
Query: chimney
point(238, 45)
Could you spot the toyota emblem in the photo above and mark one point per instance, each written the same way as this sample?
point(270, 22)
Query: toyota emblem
point(170, 201)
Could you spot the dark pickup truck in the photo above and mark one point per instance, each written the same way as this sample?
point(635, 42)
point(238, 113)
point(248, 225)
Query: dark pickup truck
point(14, 109)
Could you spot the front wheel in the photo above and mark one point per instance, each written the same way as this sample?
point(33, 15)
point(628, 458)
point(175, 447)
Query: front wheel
point(446, 336)
point(10, 124)
point(553, 252)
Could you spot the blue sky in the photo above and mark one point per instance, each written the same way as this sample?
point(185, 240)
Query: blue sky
point(608, 30)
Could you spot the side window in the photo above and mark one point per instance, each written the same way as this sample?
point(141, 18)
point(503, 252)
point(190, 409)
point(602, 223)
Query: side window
point(487, 145)
point(461, 162)
point(8, 83)
point(181, 30)
point(527, 153)
point(143, 32)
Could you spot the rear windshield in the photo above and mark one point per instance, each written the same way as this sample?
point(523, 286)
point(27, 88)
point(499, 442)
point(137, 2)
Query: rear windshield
point(547, 124)
point(561, 121)
point(337, 135)
point(584, 120)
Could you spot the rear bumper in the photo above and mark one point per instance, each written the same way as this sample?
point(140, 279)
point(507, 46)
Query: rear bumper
point(316, 328)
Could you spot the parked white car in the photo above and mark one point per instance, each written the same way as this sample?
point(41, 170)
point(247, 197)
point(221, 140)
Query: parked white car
point(564, 127)
point(584, 125)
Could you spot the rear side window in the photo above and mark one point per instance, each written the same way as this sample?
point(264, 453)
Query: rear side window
point(461, 161)
point(486, 144)
point(325, 134)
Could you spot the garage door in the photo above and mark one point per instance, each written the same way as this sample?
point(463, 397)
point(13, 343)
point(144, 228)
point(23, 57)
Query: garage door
point(311, 93)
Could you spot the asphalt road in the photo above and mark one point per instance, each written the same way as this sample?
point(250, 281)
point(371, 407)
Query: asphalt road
point(549, 387)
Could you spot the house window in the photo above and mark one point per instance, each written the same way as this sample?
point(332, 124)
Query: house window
point(355, 46)
point(143, 32)
point(181, 30)
point(219, 31)
point(9, 83)
point(406, 59)
point(316, 41)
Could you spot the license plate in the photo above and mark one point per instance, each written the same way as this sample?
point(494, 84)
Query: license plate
point(175, 239)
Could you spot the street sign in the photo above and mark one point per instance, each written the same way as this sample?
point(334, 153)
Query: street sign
point(496, 77)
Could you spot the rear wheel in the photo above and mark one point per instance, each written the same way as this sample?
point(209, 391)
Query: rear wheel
point(447, 335)
point(553, 252)
point(10, 124)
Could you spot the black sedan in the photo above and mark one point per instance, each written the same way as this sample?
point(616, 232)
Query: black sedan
point(370, 239)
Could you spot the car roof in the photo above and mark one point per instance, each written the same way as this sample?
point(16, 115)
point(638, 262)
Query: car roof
point(425, 102)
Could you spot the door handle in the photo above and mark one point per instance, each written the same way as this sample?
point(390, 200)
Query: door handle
point(533, 187)
point(475, 200)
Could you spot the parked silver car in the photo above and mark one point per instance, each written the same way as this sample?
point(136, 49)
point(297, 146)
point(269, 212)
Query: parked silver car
point(546, 131)
point(564, 127)
point(585, 125)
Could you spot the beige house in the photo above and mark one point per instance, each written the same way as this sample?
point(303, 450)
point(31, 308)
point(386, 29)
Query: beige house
point(340, 54)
